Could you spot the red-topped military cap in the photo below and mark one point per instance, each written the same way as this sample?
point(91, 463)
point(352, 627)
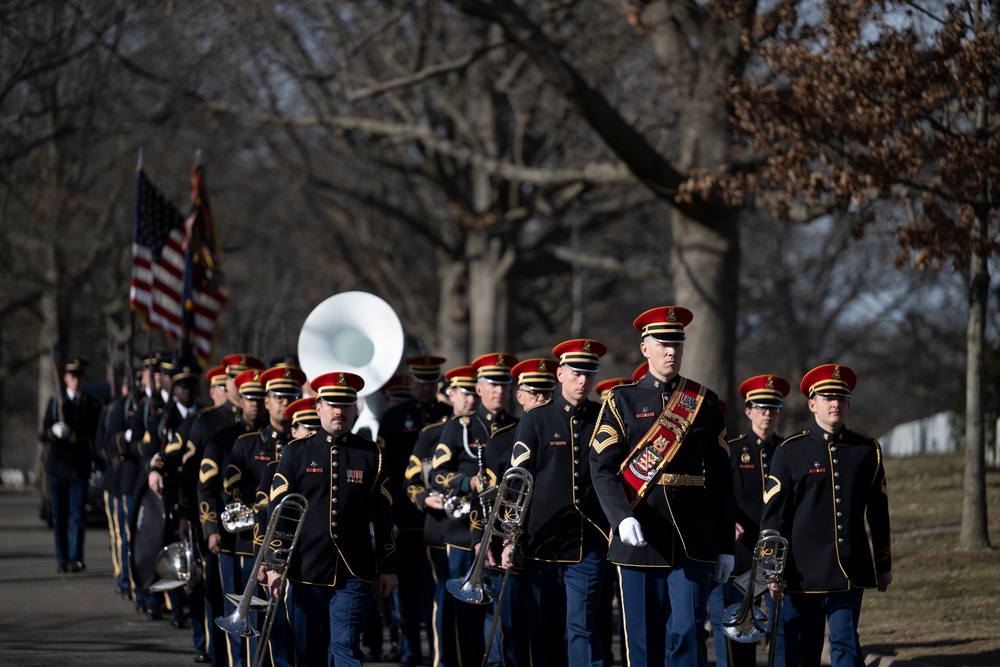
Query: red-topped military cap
point(640, 371)
point(398, 386)
point(338, 388)
point(249, 385)
point(462, 377)
point(604, 386)
point(283, 381)
point(765, 390)
point(828, 380)
point(535, 374)
point(425, 369)
point(303, 412)
point(237, 363)
point(580, 354)
point(665, 324)
point(216, 376)
point(495, 367)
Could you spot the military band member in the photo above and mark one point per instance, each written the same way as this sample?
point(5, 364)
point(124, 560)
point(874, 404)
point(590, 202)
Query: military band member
point(397, 434)
point(660, 465)
point(535, 380)
point(751, 455)
point(459, 472)
point(212, 498)
point(824, 483)
point(461, 393)
point(335, 565)
point(68, 431)
point(565, 531)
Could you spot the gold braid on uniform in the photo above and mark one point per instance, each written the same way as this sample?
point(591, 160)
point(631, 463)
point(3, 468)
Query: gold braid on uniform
point(206, 515)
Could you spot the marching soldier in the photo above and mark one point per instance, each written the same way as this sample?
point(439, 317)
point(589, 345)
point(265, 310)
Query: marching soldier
point(398, 431)
point(823, 485)
point(460, 472)
point(250, 455)
point(461, 392)
point(565, 531)
point(303, 423)
point(212, 497)
point(335, 566)
point(660, 464)
point(68, 431)
point(535, 380)
point(751, 455)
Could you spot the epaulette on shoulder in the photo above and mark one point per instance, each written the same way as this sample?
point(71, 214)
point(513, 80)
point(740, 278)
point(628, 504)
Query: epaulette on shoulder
point(439, 423)
point(739, 437)
point(538, 405)
point(505, 427)
point(798, 435)
point(248, 435)
point(866, 437)
point(205, 410)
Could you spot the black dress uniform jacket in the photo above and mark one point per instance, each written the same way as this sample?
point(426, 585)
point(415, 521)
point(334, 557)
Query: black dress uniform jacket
point(251, 455)
point(71, 457)
point(120, 450)
point(417, 488)
point(819, 491)
point(552, 444)
point(212, 496)
point(456, 463)
point(397, 433)
point(345, 481)
point(751, 464)
point(697, 519)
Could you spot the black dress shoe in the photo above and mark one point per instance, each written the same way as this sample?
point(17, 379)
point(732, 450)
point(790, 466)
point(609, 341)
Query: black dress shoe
point(77, 566)
point(154, 613)
point(177, 623)
point(203, 658)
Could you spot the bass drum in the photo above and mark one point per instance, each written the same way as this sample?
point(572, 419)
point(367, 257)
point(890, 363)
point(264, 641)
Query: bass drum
point(148, 527)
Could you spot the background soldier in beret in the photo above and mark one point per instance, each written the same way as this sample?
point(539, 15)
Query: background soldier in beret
point(68, 431)
point(751, 454)
point(823, 484)
point(565, 531)
point(335, 565)
point(660, 464)
point(397, 434)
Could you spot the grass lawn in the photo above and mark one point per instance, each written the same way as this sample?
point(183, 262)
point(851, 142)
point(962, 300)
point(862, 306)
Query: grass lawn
point(942, 607)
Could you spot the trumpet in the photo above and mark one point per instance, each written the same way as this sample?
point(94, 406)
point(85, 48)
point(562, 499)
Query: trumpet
point(744, 621)
point(283, 527)
point(237, 517)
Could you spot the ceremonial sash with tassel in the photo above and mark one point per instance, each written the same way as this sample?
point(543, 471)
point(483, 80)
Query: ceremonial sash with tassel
point(661, 442)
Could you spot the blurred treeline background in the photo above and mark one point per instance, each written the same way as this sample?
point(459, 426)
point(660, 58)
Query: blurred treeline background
point(506, 174)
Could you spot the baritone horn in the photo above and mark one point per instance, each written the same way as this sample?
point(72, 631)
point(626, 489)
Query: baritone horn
point(506, 519)
point(744, 621)
point(178, 565)
point(275, 552)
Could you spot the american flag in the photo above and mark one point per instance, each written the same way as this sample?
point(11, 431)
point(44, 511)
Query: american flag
point(175, 288)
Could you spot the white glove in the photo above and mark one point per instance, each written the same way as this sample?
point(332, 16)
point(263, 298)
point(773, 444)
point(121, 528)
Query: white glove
point(631, 533)
point(60, 430)
point(723, 568)
point(128, 435)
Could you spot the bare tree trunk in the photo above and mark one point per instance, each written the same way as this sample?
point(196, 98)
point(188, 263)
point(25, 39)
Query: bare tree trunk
point(489, 263)
point(974, 534)
point(453, 313)
point(48, 336)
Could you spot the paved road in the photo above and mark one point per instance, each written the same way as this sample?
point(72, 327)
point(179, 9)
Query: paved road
point(76, 620)
point(52, 619)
